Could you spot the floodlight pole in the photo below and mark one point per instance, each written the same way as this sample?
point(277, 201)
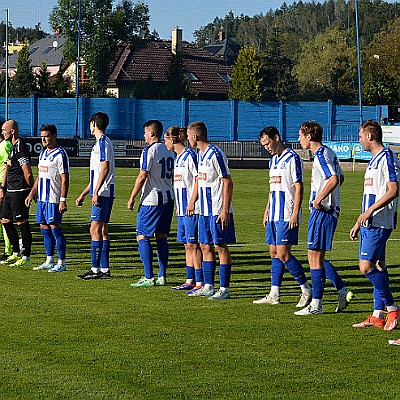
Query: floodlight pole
point(77, 70)
point(358, 63)
point(6, 114)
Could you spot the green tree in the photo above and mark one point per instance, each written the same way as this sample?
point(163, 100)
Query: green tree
point(24, 81)
point(60, 86)
point(102, 28)
point(44, 86)
point(248, 76)
point(177, 86)
point(147, 89)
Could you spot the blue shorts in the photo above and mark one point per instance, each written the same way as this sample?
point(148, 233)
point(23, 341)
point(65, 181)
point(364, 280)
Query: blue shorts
point(211, 233)
point(154, 219)
point(373, 243)
point(187, 229)
point(102, 212)
point(278, 233)
point(321, 228)
point(48, 213)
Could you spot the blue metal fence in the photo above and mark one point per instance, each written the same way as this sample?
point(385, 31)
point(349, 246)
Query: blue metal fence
point(226, 120)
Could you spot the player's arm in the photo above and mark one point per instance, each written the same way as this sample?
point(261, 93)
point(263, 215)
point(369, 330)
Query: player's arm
point(137, 187)
point(265, 217)
point(32, 193)
point(81, 197)
point(227, 191)
point(28, 175)
point(195, 195)
point(298, 199)
point(331, 183)
point(64, 192)
point(3, 184)
point(392, 191)
point(105, 169)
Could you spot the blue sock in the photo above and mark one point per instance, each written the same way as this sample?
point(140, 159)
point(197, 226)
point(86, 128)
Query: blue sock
point(318, 282)
point(190, 272)
point(209, 271)
point(146, 255)
point(297, 270)
point(199, 275)
point(61, 243)
point(381, 285)
point(333, 276)
point(95, 252)
point(225, 275)
point(49, 241)
point(163, 253)
point(105, 255)
point(277, 271)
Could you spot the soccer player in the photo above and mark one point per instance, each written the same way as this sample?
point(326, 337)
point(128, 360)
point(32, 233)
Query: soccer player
point(16, 184)
point(216, 225)
point(52, 187)
point(282, 215)
point(102, 189)
point(156, 203)
point(5, 148)
point(376, 222)
point(187, 209)
point(325, 208)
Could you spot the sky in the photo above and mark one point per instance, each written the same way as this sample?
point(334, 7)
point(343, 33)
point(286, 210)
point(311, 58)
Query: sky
point(189, 15)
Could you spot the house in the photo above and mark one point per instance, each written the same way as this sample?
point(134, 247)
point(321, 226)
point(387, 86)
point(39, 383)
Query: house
point(224, 47)
point(208, 74)
point(49, 49)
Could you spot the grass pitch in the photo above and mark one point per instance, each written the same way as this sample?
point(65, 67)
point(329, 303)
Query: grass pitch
point(63, 338)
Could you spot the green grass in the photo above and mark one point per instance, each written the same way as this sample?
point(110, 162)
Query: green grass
point(63, 338)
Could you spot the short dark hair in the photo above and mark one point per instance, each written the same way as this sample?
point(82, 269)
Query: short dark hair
point(201, 130)
point(101, 120)
point(156, 125)
point(373, 128)
point(52, 129)
point(312, 128)
point(270, 131)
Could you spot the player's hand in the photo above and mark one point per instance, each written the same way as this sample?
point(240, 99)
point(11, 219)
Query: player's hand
point(1, 195)
point(354, 232)
point(224, 219)
point(79, 201)
point(95, 199)
point(363, 218)
point(317, 204)
point(131, 204)
point(293, 221)
point(190, 209)
point(28, 201)
point(62, 207)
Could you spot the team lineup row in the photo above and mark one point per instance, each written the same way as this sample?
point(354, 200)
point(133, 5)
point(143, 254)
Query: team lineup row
point(200, 186)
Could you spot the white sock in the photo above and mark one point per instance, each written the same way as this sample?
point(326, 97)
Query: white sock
point(208, 286)
point(305, 287)
point(316, 303)
point(224, 289)
point(393, 307)
point(378, 314)
point(274, 292)
point(50, 260)
point(61, 262)
point(199, 283)
point(104, 269)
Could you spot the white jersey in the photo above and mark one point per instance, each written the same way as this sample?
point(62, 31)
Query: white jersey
point(158, 161)
point(212, 165)
point(102, 151)
point(383, 168)
point(284, 172)
point(185, 174)
point(325, 165)
point(52, 164)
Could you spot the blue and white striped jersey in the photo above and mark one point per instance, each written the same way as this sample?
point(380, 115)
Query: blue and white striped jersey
point(102, 151)
point(325, 165)
point(158, 161)
point(284, 172)
point(52, 164)
point(383, 168)
point(185, 174)
point(212, 166)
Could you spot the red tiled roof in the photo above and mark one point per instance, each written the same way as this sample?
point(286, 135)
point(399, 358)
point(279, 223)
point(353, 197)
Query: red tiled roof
point(154, 59)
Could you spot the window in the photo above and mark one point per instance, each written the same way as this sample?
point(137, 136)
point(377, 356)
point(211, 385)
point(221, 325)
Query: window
point(31, 51)
point(192, 77)
point(226, 77)
point(48, 49)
